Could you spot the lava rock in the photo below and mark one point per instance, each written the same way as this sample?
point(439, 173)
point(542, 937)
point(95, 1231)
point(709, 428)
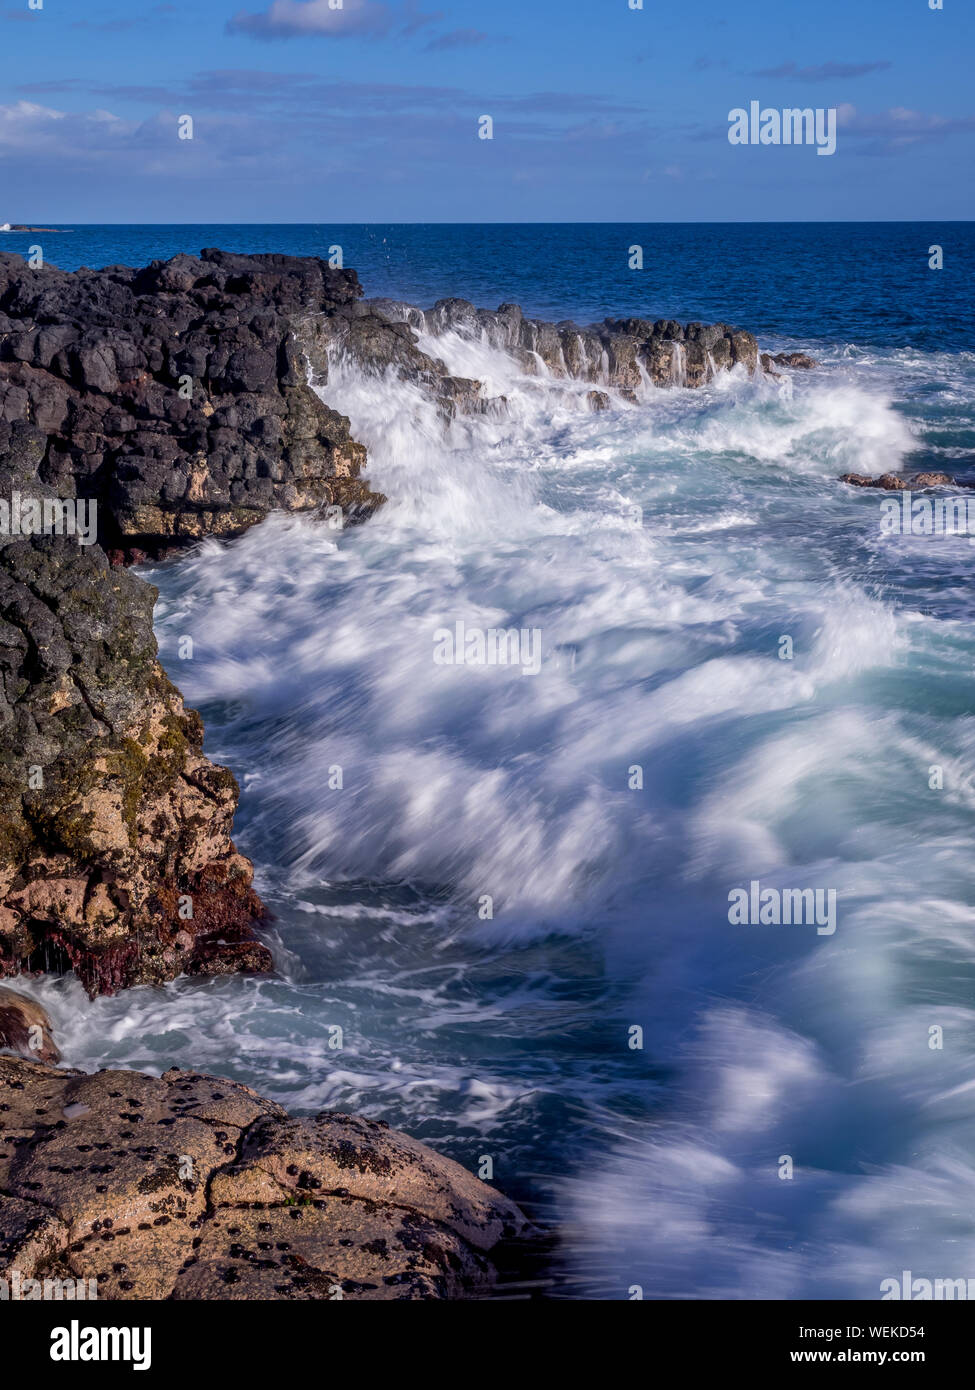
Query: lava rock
point(115, 849)
point(897, 482)
point(798, 361)
point(177, 395)
point(191, 1187)
point(622, 353)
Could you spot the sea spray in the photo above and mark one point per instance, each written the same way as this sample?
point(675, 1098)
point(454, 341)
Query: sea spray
point(510, 1034)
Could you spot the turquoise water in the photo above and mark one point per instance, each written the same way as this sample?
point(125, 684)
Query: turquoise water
point(663, 550)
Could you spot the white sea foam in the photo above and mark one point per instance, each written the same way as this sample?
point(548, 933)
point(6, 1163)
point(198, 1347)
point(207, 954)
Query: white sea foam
point(664, 550)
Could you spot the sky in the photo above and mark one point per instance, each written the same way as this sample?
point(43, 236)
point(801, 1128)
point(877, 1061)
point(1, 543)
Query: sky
point(370, 110)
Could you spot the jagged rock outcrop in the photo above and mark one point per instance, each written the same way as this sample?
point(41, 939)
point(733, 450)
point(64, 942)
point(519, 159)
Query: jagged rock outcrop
point(626, 354)
point(190, 1187)
point(175, 399)
point(378, 342)
point(898, 482)
point(115, 849)
point(177, 395)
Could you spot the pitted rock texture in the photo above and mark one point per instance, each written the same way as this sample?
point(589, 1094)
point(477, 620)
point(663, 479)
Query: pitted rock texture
point(177, 395)
point(190, 1187)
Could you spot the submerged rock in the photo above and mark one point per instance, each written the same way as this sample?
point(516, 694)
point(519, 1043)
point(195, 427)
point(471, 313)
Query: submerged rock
point(26, 1028)
point(190, 1187)
point(897, 482)
point(798, 361)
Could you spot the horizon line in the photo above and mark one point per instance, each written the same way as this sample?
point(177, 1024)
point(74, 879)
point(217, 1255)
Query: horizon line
point(566, 222)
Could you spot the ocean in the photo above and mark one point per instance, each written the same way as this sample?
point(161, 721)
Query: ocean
point(507, 931)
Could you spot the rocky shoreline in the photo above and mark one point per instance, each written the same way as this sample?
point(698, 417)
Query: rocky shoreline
point(172, 403)
point(191, 1187)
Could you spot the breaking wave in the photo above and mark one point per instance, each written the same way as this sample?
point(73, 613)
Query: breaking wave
point(664, 753)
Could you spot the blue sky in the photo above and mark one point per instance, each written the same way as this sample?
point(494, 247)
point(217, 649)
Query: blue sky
point(307, 113)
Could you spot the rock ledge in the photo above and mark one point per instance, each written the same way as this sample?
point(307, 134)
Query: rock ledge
point(191, 1187)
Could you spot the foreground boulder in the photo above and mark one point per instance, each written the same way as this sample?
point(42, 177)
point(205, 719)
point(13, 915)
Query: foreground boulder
point(189, 1187)
point(26, 1028)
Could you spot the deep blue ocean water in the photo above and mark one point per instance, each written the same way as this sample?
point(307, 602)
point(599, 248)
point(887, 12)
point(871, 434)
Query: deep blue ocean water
point(664, 551)
point(864, 281)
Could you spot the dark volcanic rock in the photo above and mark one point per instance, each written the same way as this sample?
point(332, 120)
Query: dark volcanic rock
point(177, 395)
point(897, 482)
point(799, 361)
point(622, 353)
point(175, 399)
point(190, 1187)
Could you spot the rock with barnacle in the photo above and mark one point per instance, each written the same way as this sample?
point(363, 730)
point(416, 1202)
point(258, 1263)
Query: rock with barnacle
point(189, 1187)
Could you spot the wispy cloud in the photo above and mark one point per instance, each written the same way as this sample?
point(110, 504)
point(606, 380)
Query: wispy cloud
point(824, 72)
point(297, 19)
point(459, 38)
point(272, 125)
point(29, 128)
point(292, 93)
point(104, 26)
point(899, 128)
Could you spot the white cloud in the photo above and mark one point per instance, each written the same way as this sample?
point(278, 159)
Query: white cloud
point(24, 122)
point(303, 18)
